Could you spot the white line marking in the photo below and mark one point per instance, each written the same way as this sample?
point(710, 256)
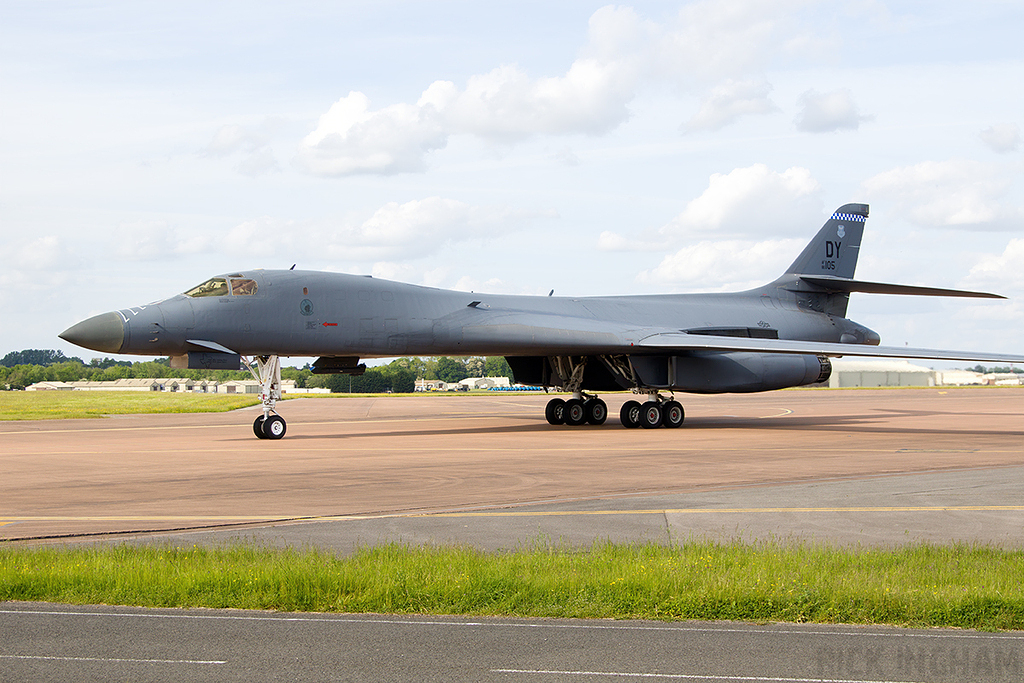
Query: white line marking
point(111, 659)
point(1017, 635)
point(5, 519)
point(699, 677)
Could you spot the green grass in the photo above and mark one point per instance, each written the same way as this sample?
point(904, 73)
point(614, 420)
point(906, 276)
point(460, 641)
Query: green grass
point(921, 586)
point(64, 405)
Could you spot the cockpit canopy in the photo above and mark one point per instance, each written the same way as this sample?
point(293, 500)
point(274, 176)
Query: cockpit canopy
point(219, 286)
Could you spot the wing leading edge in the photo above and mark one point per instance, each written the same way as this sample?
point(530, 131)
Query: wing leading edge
point(690, 342)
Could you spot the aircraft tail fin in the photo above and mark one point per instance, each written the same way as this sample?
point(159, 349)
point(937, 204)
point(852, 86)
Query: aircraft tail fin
point(834, 250)
point(822, 276)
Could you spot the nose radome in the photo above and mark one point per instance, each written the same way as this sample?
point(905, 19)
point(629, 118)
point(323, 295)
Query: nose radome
point(104, 332)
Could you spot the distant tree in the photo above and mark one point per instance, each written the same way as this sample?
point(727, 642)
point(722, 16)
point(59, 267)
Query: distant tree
point(42, 357)
point(497, 366)
point(104, 363)
point(401, 380)
point(68, 371)
point(474, 366)
point(114, 373)
point(21, 376)
point(300, 375)
point(374, 381)
point(417, 365)
point(450, 369)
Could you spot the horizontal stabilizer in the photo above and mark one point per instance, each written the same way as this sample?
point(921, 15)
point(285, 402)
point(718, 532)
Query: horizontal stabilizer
point(844, 285)
point(700, 342)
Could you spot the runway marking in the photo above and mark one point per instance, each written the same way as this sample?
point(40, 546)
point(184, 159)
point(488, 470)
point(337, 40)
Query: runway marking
point(581, 625)
point(234, 425)
point(149, 518)
point(699, 677)
point(697, 511)
point(504, 513)
point(688, 677)
point(112, 659)
point(442, 417)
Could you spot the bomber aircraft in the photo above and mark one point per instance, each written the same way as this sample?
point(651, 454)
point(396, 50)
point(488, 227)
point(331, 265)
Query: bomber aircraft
point(776, 336)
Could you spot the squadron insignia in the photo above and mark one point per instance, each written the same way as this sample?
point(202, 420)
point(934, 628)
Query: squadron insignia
point(306, 307)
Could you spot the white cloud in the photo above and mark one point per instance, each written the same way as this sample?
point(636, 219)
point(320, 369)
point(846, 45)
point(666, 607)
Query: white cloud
point(155, 241)
point(749, 202)
point(711, 40)
point(389, 270)
point(955, 193)
point(1002, 138)
point(45, 253)
point(707, 42)
point(258, 163)
point(252, 145)
point(1000, 273)
point(468, 283)
point(350, 138)
point(829, 112)
point(729, 101)
point(412, 229)
point(506, 105)
point(726, 265)
point(232, 139)
point(613, 241)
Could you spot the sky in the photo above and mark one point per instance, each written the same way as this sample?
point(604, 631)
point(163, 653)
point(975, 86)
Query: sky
point(652, 147)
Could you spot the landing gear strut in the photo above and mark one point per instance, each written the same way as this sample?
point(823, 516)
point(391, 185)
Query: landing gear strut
point(581, 408)
point(267, 372)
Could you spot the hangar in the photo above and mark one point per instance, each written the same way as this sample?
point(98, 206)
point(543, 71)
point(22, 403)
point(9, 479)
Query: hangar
point(851, 372)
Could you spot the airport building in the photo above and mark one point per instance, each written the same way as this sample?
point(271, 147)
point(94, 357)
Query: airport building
point(853, 372)
point(174, 385)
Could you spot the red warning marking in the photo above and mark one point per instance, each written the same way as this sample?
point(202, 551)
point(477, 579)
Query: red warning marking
point(330, 324)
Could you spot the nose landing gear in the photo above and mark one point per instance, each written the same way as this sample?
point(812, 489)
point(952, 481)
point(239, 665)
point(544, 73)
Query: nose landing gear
point(268, 374)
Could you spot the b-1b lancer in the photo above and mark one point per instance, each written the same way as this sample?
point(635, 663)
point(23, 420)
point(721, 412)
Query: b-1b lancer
point(776, 336)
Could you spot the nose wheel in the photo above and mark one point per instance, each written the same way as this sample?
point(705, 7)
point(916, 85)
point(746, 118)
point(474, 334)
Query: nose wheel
point(269, 425)
point(272, 427)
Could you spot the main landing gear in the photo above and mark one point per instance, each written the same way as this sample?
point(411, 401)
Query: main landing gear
point(577, 410)
point(655, 412)
point(268, 373)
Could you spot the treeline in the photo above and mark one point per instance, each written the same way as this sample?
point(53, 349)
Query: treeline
point(997, 370)
point(398, 376)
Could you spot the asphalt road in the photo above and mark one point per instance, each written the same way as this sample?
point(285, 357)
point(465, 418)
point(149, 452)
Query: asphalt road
point(46, 642)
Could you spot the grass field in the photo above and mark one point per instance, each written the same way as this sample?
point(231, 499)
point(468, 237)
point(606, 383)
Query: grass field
point(954, 586)
point(63, 405)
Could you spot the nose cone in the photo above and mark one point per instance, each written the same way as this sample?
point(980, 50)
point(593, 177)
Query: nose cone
point(103, 332)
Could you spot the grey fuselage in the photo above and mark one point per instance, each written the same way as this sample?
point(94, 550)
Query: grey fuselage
point(313, 313)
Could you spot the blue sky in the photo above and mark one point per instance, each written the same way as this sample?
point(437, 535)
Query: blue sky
point(511, 147)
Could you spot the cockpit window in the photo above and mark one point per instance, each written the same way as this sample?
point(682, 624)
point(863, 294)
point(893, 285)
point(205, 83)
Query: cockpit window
point(216, 286)
point(243, 287)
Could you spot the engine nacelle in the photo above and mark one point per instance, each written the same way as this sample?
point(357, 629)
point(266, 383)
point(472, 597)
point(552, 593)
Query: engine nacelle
point(719, 373)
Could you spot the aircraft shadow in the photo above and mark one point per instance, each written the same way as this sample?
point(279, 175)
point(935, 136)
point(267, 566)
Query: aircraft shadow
point(878, 423)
